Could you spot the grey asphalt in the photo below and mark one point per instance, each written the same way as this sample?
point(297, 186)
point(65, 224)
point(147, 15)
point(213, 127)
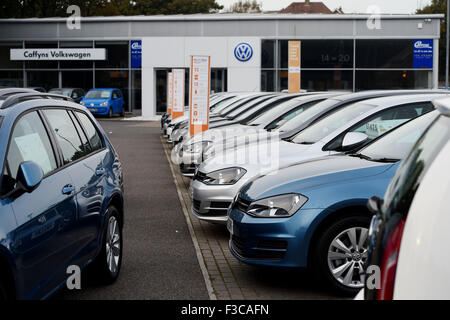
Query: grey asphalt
point(159, 259)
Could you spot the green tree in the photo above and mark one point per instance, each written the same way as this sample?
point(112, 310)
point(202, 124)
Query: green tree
point(57, 8)
point(439, 6)
point(246, 6)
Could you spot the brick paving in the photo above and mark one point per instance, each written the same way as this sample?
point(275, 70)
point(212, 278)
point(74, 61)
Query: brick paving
point(231, 279)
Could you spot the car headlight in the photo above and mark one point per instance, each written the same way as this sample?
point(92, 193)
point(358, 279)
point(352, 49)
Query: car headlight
point(224, 176)
point(82, 103)
point(104, 104)
point(278, 206)
point(196, 147)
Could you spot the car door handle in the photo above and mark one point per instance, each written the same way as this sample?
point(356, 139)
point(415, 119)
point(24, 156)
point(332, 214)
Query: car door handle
point(68, 189)
point(100, 172)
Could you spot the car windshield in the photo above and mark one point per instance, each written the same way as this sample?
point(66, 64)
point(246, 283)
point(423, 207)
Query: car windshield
point(298, 121)
point(98, 94)
point(406, 181)
point(64, 92)
point(246, 107)
point(330, 123)
point(231, 105)
point(219, 102)
point(396, 144)
point(274, 112)
point(278, 122)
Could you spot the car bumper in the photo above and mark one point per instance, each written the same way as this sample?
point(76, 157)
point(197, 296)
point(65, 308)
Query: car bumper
point(99, 110)
point(169, 133)
point(188, 162)
point(164, 128)
point(210, 203)
point(276, 242)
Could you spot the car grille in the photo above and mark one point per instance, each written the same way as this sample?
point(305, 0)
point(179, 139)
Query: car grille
point(196, 204)
point(187, 169)
point(273, 244)
point(217, 209)
point(238, 246)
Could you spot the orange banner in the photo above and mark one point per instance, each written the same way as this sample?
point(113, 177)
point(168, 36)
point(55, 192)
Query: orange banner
point(199, 94)
point(294, 53)
point(178, 93)
point(169, 92)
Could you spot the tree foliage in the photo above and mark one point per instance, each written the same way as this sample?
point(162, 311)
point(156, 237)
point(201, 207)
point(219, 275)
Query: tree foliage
point(246, 6)
point(57, 8)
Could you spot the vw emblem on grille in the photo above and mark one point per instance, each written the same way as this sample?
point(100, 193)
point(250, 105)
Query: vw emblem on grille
point(92, 104)
point(243, 52)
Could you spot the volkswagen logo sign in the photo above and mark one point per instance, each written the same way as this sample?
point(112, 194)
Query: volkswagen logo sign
point(243, 52)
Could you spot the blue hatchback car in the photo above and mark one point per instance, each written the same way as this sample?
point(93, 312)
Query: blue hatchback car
point(61, 195)
point(104, 102)
point(314, 214)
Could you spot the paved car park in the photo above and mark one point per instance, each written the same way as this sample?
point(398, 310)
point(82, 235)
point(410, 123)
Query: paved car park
point(232, 279)
point(160, 260)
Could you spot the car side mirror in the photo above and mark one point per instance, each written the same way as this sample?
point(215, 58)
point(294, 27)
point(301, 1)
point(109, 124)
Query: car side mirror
point(374, 205)
point(29, 176)
point(353, 140)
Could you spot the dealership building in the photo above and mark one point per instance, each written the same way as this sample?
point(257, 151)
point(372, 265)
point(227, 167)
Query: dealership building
point(338, 52)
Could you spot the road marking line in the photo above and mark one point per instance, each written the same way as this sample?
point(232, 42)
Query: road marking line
point(201, 262)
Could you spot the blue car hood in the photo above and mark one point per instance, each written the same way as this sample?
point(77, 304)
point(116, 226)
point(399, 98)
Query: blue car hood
point(312, 174)
point(87, 102)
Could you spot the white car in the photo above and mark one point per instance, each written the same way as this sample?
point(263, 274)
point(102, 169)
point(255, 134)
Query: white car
point(215, 103)
point(219, 112)
point(410, 231)
point(218, 179)
point(188, 154)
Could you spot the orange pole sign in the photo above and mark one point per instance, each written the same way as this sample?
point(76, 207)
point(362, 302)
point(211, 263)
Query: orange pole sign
point(294, 53)
point(178, 93)
point(200, 84)
point(169, 92)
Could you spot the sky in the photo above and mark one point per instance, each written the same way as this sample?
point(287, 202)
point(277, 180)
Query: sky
point(349, 6)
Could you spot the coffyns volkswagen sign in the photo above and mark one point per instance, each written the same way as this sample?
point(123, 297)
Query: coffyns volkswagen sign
point(58, 54)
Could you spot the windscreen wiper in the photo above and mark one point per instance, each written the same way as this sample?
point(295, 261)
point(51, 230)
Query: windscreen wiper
point(387, 160)
point(361, 156)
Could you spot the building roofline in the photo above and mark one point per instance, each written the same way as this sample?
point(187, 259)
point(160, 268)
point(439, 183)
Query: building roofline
point(223, 17)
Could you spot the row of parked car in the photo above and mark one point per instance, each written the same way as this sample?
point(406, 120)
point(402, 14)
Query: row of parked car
point(99, 101)
point(335, 182)
point(61, 195)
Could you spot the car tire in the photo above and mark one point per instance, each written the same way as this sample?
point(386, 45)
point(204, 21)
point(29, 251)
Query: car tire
point(122, 113)
point(110, 113)
point(327, 257)
point(106, 266)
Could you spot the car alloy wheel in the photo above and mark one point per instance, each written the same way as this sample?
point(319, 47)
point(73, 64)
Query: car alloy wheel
point(113, 249)
point(347, 255)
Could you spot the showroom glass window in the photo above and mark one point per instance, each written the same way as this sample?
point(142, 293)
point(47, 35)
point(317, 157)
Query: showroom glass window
point(326, 65)
point(388, 64)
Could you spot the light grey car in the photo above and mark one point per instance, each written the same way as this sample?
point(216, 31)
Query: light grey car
point(218, 180)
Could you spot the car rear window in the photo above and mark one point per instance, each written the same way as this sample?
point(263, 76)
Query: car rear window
point(91, 132)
